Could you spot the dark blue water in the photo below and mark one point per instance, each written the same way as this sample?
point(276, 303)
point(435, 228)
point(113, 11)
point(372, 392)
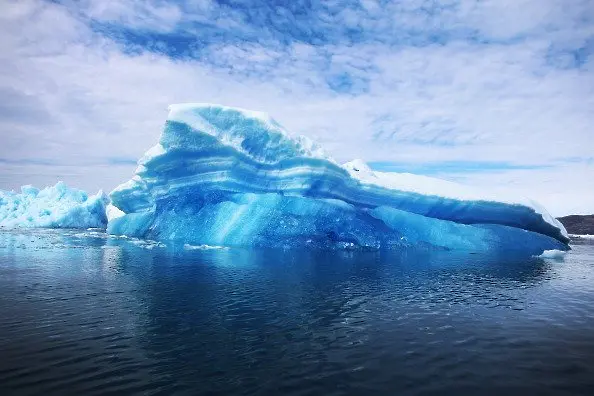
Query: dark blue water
point(81, 313)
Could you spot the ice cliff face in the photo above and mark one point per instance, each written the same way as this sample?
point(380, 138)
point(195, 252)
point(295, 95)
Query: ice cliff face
point(226, 176)
point(53, 207)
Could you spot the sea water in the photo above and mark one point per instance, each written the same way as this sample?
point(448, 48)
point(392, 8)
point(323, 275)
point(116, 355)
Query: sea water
point(85, 313)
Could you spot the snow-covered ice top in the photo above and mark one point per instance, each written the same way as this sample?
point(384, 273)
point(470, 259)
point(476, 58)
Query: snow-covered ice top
point(253, 133)
point(425, 185)
point(53, 207)
point(223, 164)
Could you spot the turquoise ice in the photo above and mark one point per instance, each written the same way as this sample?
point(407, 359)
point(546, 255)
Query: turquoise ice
point(53, 207)
point(232, 177)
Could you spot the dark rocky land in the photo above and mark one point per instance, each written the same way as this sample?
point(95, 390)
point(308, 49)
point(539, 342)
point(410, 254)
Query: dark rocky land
point(578, 224)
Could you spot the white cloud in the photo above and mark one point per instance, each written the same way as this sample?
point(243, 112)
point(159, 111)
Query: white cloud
point(563, 190)
point(143, 14)
point(73, 96)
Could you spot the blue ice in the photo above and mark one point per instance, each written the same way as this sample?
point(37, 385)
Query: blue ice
point(233, 177)
point(58, 206)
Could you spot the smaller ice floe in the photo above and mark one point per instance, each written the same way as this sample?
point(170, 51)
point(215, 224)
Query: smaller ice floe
point(118, 236)
point(552, 254)
point(203, 247)
point(585, 236)
point(53, 207)
point(146, 244)
point(90, 234)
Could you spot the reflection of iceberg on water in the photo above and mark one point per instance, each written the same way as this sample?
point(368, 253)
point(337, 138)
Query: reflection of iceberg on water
point(221, 176)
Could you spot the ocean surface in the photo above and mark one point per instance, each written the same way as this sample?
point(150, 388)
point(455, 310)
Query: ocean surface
point(83, 313)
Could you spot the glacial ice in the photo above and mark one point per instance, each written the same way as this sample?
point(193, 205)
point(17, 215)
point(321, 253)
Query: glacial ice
point(53, 207)
point(222, 176)
point(552, 254)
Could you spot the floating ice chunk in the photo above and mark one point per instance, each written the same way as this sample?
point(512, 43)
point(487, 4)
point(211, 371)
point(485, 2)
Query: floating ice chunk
point(553, 254)
point(585, 236)
point(53, 207)
point(146, 243)
point(202, 247)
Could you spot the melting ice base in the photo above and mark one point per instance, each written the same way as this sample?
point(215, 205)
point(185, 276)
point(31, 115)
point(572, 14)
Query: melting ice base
point(53, 207)
point(231, 177)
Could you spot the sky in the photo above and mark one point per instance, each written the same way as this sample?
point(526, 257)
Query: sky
point(482, 92)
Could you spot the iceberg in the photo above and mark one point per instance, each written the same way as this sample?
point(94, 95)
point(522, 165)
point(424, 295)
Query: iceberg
point(222, 176)
point(53, 207)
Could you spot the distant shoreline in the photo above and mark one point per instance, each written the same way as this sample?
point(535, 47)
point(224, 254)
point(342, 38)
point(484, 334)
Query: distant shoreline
point(578, 224)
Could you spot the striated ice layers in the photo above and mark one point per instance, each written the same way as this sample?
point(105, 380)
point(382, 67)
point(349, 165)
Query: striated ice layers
point(53, 207)
point(226, 176)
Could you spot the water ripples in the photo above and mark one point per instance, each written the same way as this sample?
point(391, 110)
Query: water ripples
point(110, 317)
